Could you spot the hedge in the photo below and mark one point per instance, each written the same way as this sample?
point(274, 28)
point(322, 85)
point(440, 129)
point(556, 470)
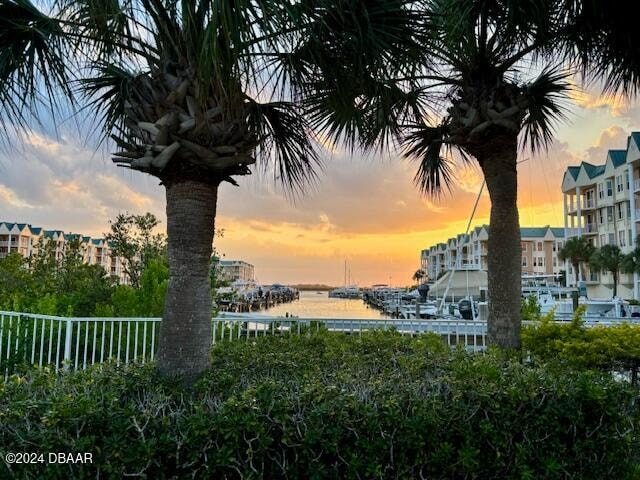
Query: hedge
point(329, 406)
point(614, 348)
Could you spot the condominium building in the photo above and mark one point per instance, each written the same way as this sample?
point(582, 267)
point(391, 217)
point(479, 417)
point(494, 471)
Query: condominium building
point(601, 204)
point(540, 247)
point(237, 270)
point(24, 239)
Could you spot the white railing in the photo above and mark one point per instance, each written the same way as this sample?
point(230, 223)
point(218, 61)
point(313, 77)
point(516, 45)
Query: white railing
point(75, 343)
point(60, 342)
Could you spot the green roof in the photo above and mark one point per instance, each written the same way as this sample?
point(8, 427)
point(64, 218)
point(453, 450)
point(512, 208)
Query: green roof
point(618, 157)
point(593, 170)
point(558, 231)
point(533, 231)
point(574, 171)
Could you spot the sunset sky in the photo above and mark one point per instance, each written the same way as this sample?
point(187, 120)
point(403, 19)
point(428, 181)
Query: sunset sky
point(364, 208)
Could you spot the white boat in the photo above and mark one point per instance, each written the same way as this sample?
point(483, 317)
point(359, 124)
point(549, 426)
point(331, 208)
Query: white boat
point(595, 307)
point(346, 292)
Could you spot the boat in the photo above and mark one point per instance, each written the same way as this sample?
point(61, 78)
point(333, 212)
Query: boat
point(346, 292)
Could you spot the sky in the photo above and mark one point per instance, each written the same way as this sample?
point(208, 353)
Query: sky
point(363, 209)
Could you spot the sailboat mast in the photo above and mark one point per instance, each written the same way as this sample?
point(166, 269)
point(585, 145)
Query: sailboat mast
point(345, 273)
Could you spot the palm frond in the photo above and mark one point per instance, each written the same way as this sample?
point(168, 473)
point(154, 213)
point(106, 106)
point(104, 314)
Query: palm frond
point(33, 68)
point(109, 92)
point(284, 142)
point(544, 97)
point(604, 44)
point(425, 144)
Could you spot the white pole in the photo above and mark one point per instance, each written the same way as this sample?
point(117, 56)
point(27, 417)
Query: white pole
point(473, 212)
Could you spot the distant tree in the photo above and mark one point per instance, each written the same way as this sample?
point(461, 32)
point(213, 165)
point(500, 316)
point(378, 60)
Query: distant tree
point(419, 275)
point(16, 283)
point(133, 239)
point(609, 258)
point(577, 250)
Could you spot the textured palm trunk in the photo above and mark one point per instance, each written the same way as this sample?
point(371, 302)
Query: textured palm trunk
point(615, 283)
point(504, 251)
point(185, 332)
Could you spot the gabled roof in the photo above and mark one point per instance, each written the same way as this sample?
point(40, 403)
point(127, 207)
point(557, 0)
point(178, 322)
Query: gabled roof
point(36, 230)
point(618, 157)
point(558, 231)
point(574, 171)
point(593, 170)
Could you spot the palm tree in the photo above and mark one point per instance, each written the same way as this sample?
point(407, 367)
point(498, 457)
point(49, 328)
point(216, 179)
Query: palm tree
point(419, 275)
point(179, 87)
point(489, 76)
point(609, 258)
point(577, 251)
point(171, 83)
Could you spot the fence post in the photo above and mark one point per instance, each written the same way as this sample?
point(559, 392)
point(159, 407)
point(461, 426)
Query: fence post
point(67, 344)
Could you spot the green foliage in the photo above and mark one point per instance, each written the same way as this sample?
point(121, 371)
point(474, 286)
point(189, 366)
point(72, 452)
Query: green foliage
point(577, 250)
point(609, 258)
point(530, 308)
point(611, 348)
point(132, 238)
point(53, 286)
point(329, 406)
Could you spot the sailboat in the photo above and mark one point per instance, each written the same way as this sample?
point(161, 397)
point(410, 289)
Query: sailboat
point(348, 291)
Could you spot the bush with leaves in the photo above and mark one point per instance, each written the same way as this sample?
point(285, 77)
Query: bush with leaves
point(324, 405)
point(613, 348)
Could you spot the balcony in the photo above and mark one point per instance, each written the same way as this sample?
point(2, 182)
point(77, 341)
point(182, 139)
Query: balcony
point(589, 204)
point(636, 185)
point(590, 228)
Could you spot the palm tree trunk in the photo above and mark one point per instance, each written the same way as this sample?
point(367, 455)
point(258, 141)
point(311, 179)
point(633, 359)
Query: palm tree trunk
point(504, 250)
point(615, 283)
point(577, 273)
point(185, 332)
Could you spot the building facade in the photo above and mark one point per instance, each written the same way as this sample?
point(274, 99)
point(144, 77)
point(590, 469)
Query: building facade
point(233, 270)
point(540, 247)
point(601, 204)
point(24, 239)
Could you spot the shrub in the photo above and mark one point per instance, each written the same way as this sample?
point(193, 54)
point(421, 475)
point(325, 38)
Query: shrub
point(613, 348)
point(329, 406)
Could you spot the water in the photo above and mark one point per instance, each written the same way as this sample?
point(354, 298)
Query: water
point(319, 305)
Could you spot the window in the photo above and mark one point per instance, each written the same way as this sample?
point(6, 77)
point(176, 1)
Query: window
point(619, 184)
point(612, 238)
point(609, 188)
point(603, 239)
point(620, 212)
point(628, 209)
point(538, 261)
point(539, 245)
point(555, 262)
point(524, 261)
point(609, 214)
point(560, 245)
point(524, 247)
point(622, 238)
point(630, 243)
point(626, 179)
point(601, 215)
point(600, 191)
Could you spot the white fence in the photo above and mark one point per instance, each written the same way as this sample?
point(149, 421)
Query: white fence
point(60, 342)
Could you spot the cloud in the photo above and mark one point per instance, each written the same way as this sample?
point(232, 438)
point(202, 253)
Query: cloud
point(614, 137)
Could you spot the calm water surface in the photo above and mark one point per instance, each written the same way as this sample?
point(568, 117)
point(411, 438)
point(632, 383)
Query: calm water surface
point(312, 304)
